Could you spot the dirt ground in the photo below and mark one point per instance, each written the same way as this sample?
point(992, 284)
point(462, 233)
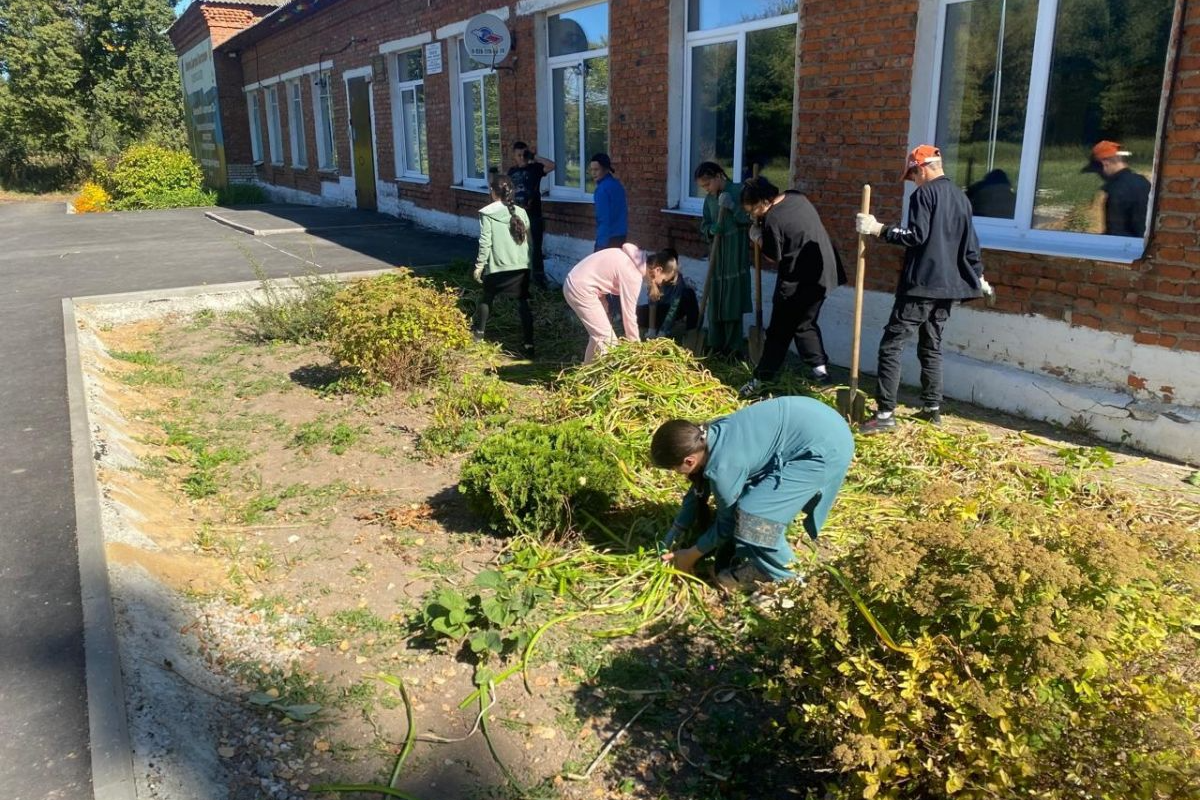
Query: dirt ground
point(271, 543)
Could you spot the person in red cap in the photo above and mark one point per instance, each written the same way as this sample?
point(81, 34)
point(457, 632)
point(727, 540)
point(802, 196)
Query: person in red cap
point(1126, 194)
point(941, 265)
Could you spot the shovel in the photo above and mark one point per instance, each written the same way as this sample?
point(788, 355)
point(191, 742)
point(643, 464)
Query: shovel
point(695, 339)
point(851, 403)
point(757, 334)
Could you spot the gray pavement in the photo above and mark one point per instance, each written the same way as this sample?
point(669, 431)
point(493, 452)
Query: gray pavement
point(45, 256)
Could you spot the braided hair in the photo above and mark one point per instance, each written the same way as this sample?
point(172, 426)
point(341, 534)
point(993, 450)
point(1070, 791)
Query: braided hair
point(504, 191)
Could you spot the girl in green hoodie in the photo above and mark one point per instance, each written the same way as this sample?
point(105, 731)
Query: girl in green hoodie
point(502, 265)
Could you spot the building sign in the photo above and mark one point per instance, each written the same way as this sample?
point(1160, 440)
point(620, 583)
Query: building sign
point(201, 112)
point(487, 39)
point(433, 58)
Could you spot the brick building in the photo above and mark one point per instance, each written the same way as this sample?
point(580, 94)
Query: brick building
point(1095, 327)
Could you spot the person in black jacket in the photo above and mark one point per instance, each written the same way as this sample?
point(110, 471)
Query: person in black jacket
point(526, 174)
point(787, 227)
point(1126, 194)
point(941, 265)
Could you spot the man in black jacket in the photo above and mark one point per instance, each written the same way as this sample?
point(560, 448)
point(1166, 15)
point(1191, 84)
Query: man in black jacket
point(1126, 194)
point(941, 265)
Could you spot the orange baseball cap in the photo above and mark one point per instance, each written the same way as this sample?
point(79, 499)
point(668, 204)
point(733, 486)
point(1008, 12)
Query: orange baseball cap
point(921, 154)
point(1106, 149)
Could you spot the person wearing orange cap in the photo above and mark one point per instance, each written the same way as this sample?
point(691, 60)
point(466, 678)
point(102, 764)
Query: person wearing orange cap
point(1126, 194)
point(941, 265)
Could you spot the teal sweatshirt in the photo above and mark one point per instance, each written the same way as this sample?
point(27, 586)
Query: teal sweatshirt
point(751, 446)
point(497, 250)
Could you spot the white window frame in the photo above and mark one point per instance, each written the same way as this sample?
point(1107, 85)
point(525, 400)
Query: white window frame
point(253, 113)
point(404, 170)
point(693, 39)
point(1003, 234)
point(327, 160)
point(296, 133)
point(557, 191)
point(274, 125)
point(463, 77)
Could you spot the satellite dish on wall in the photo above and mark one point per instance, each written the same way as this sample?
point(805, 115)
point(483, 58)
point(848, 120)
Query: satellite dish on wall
point(487, 40)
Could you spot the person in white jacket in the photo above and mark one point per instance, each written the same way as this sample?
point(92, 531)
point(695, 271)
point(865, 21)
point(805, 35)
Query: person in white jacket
point(502, 265)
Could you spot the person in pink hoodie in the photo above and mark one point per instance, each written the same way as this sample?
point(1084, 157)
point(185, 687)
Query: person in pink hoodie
point(619, 271)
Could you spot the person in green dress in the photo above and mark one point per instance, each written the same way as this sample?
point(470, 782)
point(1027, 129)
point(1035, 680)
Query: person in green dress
point(729, 295)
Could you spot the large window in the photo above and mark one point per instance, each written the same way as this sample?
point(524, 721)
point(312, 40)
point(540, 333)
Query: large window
point(578, 60)
point(412, 158)
point(255, 114)
point(274, 126)
point(740, 77)
point(296, 125)
point(480, 93)
point(323, 117)
point(1024, 89)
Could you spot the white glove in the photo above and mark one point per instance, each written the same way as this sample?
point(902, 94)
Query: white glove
point(756, 234)
point(478, 274)
point(725, 201)
point(988, 291)
point(867, 225)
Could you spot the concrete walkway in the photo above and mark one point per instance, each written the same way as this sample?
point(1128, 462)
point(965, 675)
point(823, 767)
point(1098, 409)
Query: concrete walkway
point(45, 256)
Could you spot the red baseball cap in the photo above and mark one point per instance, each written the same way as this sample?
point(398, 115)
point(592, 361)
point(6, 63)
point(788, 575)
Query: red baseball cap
point(1106, 149)
point(921, 154)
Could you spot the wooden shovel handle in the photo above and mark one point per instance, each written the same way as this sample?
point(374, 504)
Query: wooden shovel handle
point(713, 250)
point(859, 276)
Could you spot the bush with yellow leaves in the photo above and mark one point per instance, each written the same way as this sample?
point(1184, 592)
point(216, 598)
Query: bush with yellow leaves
point(92, 198)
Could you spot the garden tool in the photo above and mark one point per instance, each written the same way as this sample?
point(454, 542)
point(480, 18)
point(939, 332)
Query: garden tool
point(852, 403)
point(695, 339)
point(757, 333)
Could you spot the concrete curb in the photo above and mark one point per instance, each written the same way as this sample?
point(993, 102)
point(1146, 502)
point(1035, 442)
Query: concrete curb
point(237, 226)
point(108, 725)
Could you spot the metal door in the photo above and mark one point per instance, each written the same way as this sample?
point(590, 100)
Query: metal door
point(362, 142)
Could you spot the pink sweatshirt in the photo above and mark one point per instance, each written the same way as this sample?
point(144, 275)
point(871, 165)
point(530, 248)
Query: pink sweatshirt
point(620, 271)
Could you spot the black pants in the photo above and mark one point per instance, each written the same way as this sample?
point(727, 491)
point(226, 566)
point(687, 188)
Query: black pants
point(689, 311)
point(793, 319)
point(506, 284)
point(537, 230)
point(927, 317)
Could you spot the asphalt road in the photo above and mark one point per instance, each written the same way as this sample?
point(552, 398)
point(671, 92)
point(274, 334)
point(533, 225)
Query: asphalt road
point(46, 255)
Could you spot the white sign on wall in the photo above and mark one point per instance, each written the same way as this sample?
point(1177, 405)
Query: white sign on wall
point(201, 113)
point(433, 58)
point(487, 39)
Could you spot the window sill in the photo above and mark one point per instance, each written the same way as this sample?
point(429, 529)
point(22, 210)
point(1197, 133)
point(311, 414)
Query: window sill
point(577, 199)
point(422, 180)
point(332, 171)
point(458, 187)
point(258, 163)
point(683, 212)
point(1088, 246)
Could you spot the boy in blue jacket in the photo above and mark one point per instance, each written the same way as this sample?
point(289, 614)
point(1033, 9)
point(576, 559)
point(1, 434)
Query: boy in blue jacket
point(765, 465)
point(612, 213)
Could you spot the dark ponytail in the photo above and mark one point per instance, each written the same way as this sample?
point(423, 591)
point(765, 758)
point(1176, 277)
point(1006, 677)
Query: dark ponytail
point(502, 187)
point(709, 169)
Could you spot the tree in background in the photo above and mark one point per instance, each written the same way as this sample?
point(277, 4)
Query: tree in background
point(43, 132)
point(80, 81)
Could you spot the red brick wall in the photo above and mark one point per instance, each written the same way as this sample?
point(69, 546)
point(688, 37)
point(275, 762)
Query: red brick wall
point(854, 94)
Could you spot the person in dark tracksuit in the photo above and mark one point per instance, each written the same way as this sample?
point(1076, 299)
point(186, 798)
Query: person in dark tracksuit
point(764, 465)
point(808, 268)
point(526, 174)
point(941, 265)
point(1126, 194)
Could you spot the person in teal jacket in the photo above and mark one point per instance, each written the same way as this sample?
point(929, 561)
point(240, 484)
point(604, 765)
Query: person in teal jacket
point(502, 265)
point(729, 295)
point(764, 465)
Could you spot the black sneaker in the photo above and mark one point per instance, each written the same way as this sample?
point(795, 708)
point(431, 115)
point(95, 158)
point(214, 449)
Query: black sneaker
point(821, 378)
point(931, 415)
point(751, 388)
point(878, 425)
point(527, 351)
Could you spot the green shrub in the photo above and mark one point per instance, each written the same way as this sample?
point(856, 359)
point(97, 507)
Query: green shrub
point(1052, 655)
point(299, 313)
point(152, 176)
point(396, 329)
point(533, 478)
point(241, 194)
point(464, 408)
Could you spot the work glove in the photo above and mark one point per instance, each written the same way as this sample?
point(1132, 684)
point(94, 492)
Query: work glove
point(867, 225)
point(756, 234)
point(478, 274)
point(725, 201)
point(989, 294)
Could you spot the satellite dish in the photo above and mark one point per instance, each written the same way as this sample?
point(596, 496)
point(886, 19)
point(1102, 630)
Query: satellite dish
point(487, 40)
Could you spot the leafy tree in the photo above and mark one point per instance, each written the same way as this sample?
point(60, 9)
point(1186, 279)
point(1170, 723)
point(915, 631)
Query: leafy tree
point(40, 69)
